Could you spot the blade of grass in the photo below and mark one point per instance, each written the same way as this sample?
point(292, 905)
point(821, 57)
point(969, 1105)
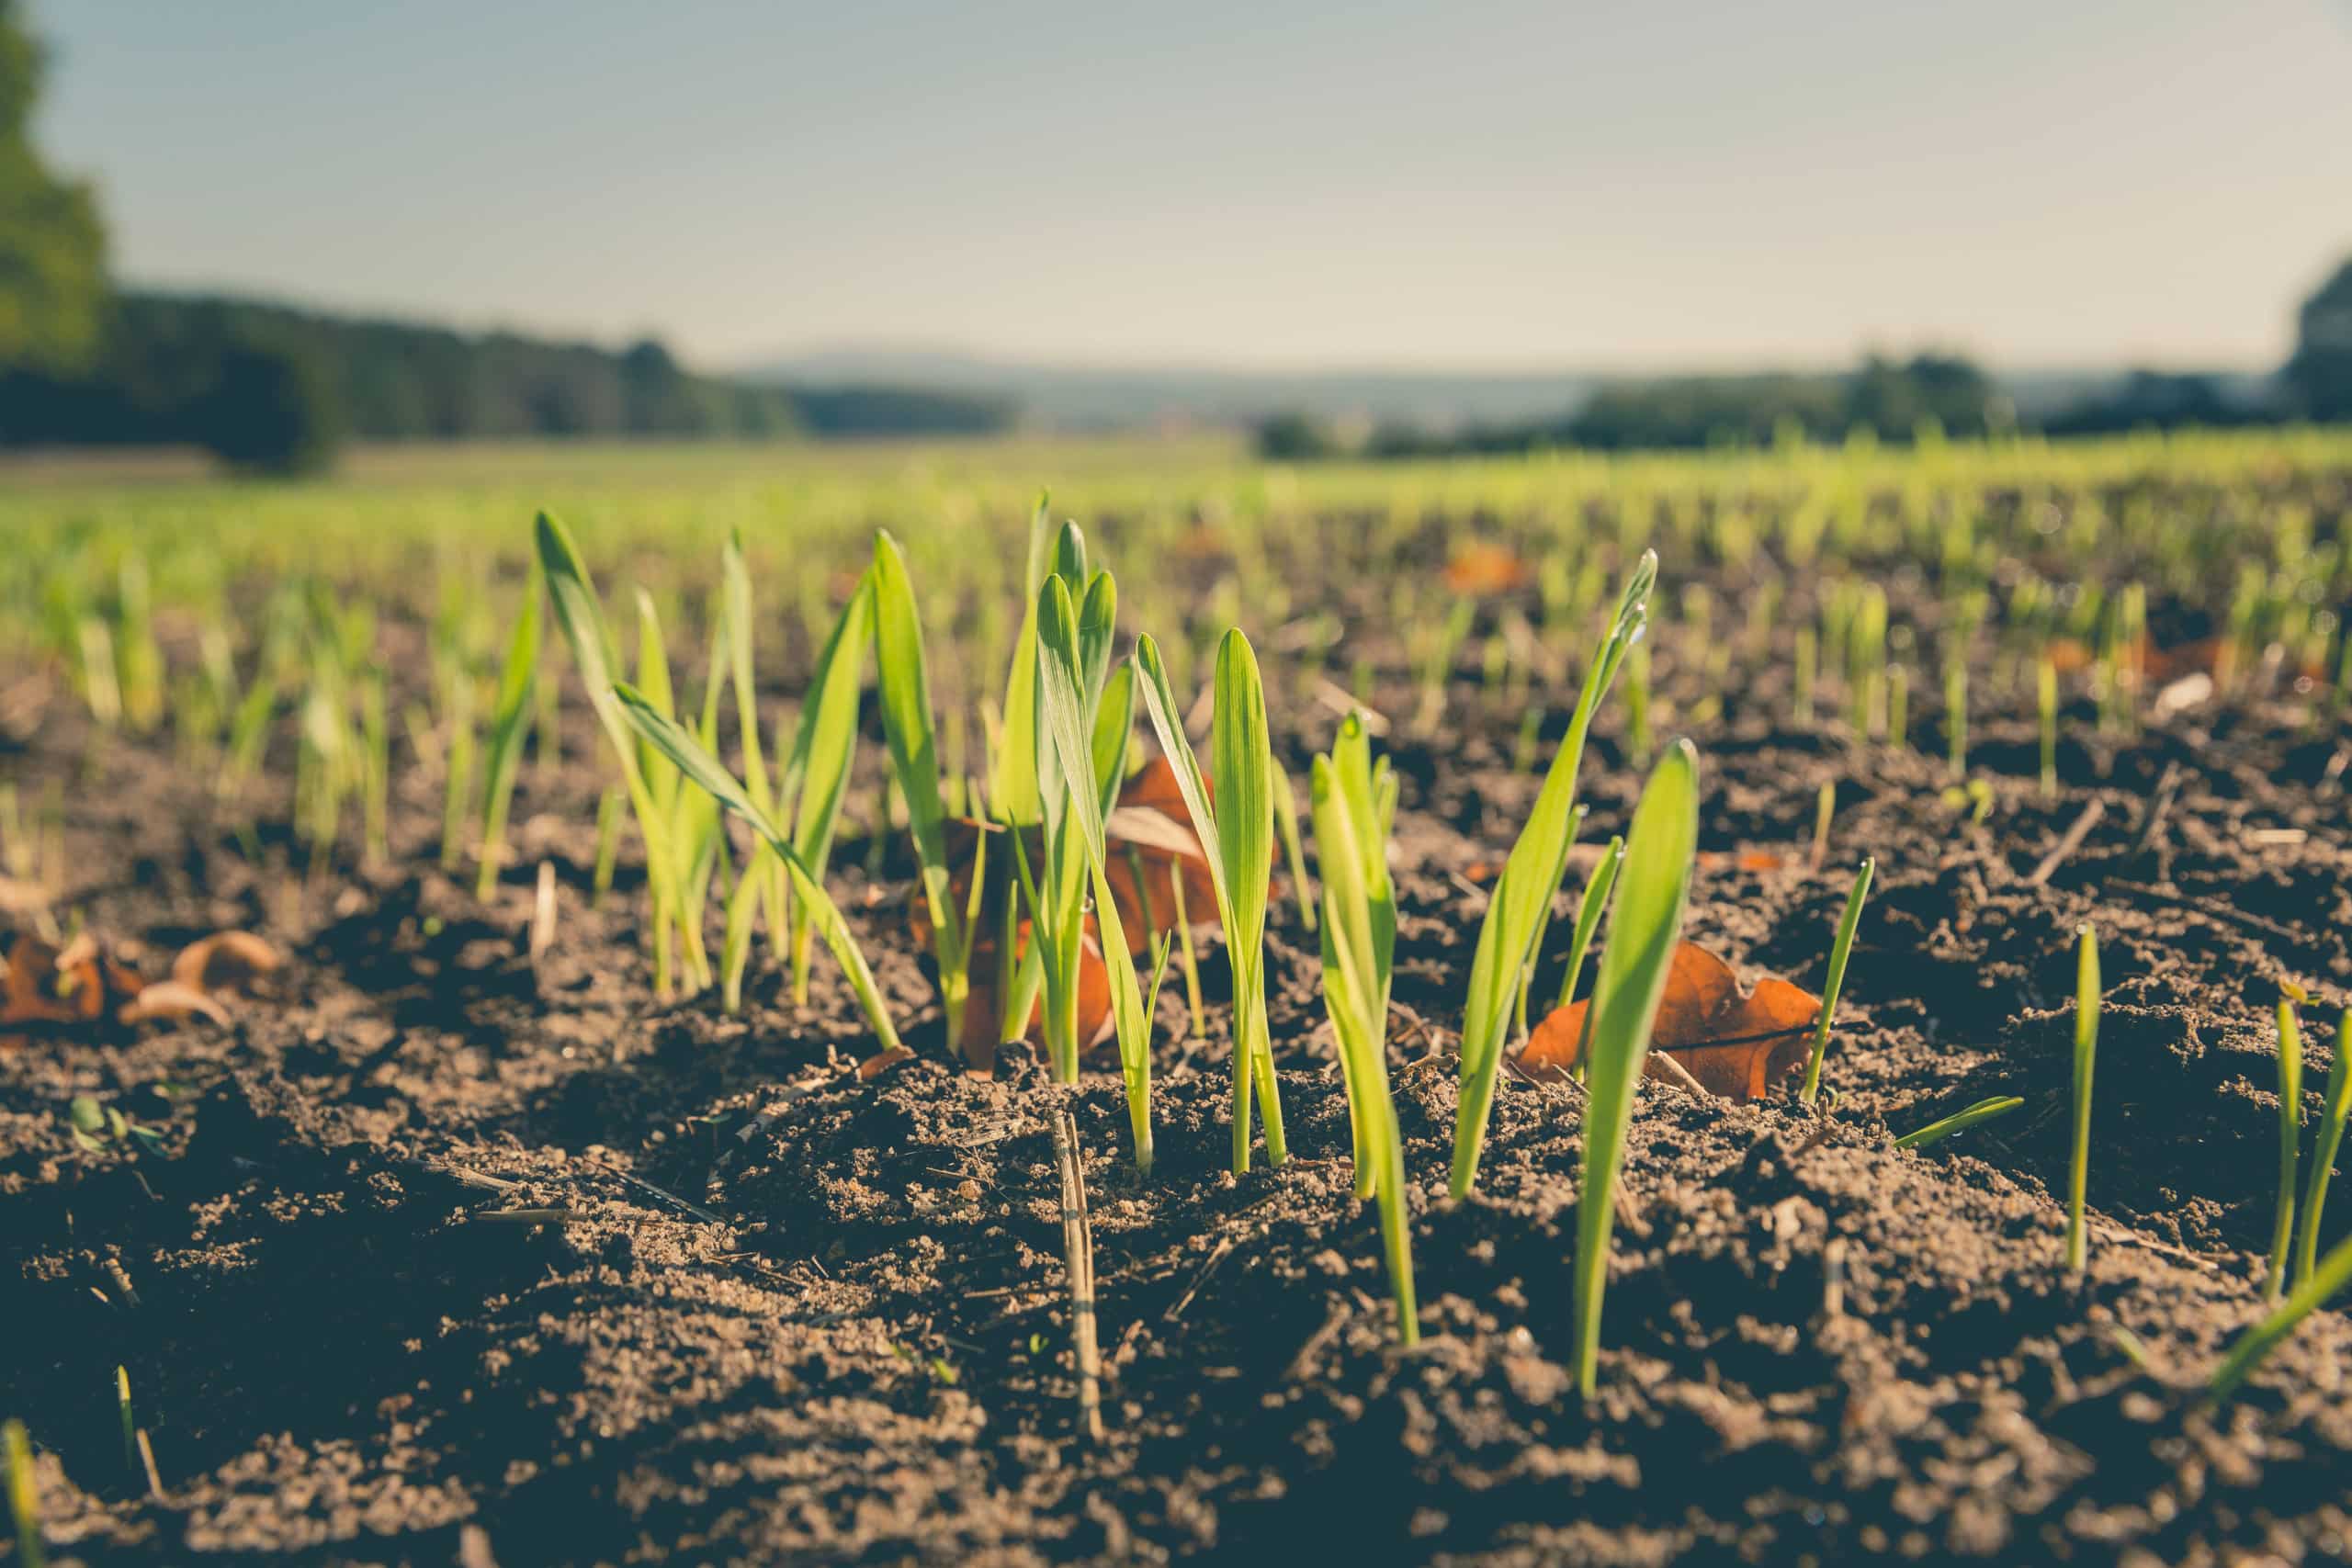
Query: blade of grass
point(2330, 1138)
point(2290, 1116)
point(2333, 1274)
point(573, 595)
point(1959, 1122)
point(824, 750)
point(1523, 892)
point(509, 718)
point(1651, 891)
point(708, 774)
point(914, 759)
point(1840, 951)
point(2086, 1001)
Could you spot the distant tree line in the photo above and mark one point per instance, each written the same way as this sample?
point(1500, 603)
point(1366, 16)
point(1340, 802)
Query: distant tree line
point(271, 387)
point(1893, 399)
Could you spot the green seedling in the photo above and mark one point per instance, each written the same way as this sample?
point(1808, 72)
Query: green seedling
point(1596, 899)
point(2046, 689)
point(459, 782)
point(1293, 851)
point(1956, 718)
point(1651, 892)
point(578, 613)
point(2330, 1138)
point(1354, 806)
point(2332, 1274)
point(908, 729)
point(2290, 1116)
point(1807, 658)
point(130, 1422)
point(813, 780)
point(1959, 1122)
point(1523, 895)
point(508, 721)
point(1237, 835)
point(24, 1495)
point(1070, 646)
point(1073, 678)
point(1840, 950)
point(696, 765)
point(2086, 1001)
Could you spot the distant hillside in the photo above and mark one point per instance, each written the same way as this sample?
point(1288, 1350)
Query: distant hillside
point(1093, 398)
point(1079, 397)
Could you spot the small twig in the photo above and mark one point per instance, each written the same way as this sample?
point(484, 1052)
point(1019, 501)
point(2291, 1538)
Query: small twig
point(1304, 1362)
point(147, 1462)
point(543, 913)
point(1833, 1280)
point(1662, 1065)
point(697, 1210)
point(2068, 844)
point(1215, 1257)
point(465, 1177)
point(529, 1216)
point(1078, 1264)
point(2159, 809)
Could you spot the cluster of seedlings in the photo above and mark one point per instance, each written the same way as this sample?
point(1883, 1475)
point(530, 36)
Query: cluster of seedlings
point(1064, 862)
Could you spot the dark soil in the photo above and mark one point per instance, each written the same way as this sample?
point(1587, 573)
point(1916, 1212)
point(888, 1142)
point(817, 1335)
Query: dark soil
point(786, 1315)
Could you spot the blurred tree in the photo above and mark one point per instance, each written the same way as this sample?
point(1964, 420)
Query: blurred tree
point(269, 407)
point(1295, 436)
point(2320, 375)
point(52, 249)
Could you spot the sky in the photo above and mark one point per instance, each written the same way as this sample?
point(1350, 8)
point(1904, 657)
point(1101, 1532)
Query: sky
point(1295, 183)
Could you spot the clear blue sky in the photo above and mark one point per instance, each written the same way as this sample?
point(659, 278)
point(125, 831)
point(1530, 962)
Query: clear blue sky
point(1612, 184)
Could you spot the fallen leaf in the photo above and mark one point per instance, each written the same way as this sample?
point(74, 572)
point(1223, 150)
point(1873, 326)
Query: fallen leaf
point(225, 962)
point(1734, 1043)
point(1152, 845)
point(881, 1062)
point(47, 985)
point(1485, 568)
point(170, 1000)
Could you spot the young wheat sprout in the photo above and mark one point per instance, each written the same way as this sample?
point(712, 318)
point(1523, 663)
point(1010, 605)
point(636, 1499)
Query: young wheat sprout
point(2087, 1000)
point(1523, 894)
point(1354, 806)
point(1659, 851)
point(1237, 835)
point(1840, 951)
point(2330, 1138)
point(2291, 1114)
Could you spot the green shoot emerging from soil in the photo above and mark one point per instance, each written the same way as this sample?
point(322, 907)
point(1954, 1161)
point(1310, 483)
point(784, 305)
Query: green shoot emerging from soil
point(2330, 1138)
point(1072, 653)
point(1959, 1122)
point(2086, 993)
point(1237, 834)
point(1596, 899)
point(1651, 892)
point(1354, 805)
point(2333, 1274)
point(914, 761)
point(508, 724)
point(1840, 951)
point(1522, 895)
point(577, 611)
point(696, 762)
point(2290, 1116)
point(814, 778)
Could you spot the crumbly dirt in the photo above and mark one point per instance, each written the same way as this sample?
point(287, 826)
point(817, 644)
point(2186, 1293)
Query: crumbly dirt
point(767, 1311)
